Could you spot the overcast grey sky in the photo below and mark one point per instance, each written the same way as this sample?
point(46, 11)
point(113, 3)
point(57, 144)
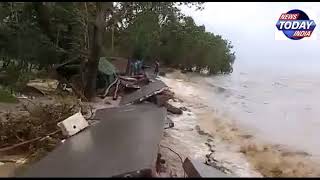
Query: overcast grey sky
point(251, 28)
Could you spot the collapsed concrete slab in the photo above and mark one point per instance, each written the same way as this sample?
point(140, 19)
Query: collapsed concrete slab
point(151, 76)
point(144, 92)
point(197, 169)
point(125, 141)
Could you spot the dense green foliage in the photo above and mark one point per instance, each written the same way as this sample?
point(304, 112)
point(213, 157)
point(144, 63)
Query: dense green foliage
point(33, 35)
point(38, 35)
point(179, 42)
point(6, 97)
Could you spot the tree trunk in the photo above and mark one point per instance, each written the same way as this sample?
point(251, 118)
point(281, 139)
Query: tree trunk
point(57, 39)
point(44, 19)
point(112, 39)
point(87, 27)
point(96, 48)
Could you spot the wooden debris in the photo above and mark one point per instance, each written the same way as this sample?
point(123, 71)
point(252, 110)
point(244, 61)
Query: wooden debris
point(115, 95)
point(26, 142)
point(44, 85)
point(127, 78)
point(35, 132)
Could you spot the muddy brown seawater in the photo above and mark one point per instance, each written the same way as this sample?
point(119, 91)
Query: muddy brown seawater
point(226, 145)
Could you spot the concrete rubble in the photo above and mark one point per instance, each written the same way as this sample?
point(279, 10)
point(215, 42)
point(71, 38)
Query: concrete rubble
point(122, 143)
point(73, 124)
point(195, 169)
point(121, 130)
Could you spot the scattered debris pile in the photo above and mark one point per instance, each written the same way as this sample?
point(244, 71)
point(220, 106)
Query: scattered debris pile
point(123, 144)
point(43, 126)
point(44, 86)
point(33, 128)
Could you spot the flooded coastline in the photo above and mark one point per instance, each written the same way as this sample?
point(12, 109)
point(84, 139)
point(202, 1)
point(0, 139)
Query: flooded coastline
point(247, 149)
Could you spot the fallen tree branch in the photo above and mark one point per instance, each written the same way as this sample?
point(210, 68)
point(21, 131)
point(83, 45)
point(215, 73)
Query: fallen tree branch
point(8, 161)
point(27, 142)
point(107, 90)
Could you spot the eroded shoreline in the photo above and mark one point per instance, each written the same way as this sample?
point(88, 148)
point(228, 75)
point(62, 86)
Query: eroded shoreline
point(200, 134)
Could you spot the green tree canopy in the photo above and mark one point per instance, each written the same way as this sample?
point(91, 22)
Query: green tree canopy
point(38, 35)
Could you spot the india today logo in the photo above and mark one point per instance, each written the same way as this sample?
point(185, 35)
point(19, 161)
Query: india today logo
point(295, 24)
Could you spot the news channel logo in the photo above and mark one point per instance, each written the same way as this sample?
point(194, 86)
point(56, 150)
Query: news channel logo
point(295, 25)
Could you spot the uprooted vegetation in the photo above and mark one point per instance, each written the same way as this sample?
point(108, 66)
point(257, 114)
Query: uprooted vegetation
point(32, 129)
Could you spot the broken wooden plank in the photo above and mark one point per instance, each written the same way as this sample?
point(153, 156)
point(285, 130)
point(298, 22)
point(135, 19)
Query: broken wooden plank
point(115, 95)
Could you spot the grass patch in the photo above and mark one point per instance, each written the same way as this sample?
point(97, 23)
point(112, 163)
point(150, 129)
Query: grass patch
point(6, 97)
